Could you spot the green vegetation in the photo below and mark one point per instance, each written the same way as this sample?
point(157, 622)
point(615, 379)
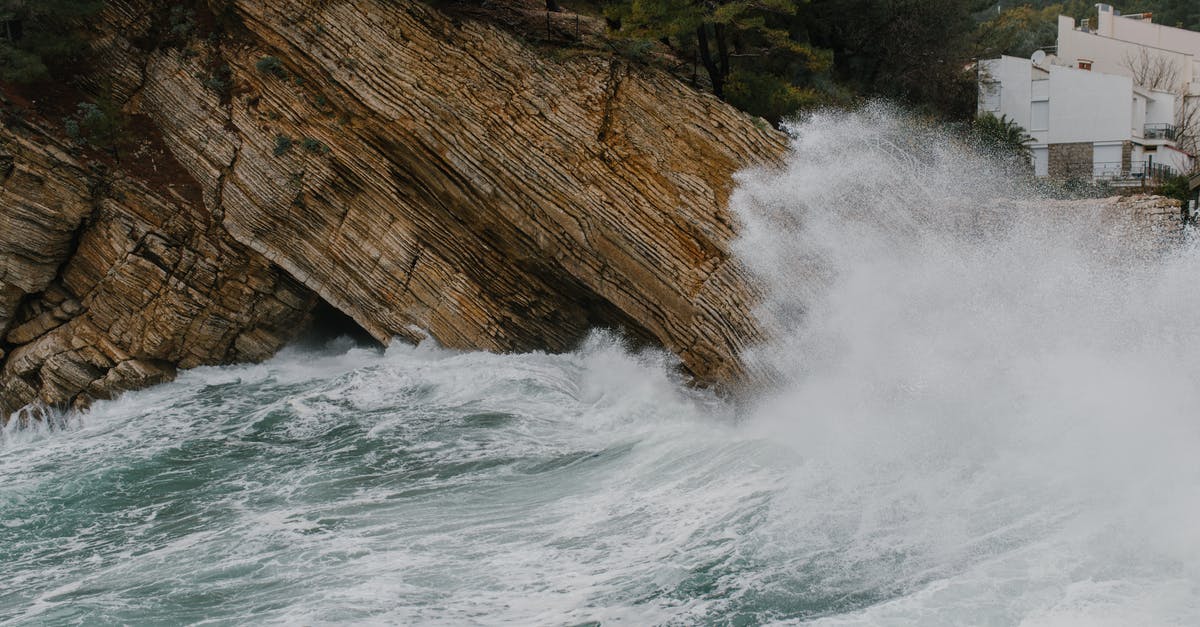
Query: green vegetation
point(1018, 31)
point(100, 125)
point(220, 79)
point(181, 22)
point(773, 58)
point(745, 47)
point(1176, 187)
point(283, 143)
point(40, 36)
point(1003, 136)
point(314, 146)
point(273, 66)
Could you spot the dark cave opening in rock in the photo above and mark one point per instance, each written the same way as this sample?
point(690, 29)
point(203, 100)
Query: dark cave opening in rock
point(327, 323)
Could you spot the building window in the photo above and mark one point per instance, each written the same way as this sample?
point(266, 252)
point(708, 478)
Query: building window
point(1084, 64)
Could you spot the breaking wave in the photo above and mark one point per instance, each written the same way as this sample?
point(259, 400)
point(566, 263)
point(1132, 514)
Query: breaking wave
point(984, 412)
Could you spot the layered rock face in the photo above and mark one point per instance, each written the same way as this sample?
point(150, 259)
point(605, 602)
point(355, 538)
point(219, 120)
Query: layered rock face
point(107, 285)
point(423, 175)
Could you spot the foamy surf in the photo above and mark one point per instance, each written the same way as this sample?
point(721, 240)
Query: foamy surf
point(983, 417)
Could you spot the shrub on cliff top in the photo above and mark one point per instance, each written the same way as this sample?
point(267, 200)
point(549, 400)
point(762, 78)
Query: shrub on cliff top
point(1175, 187)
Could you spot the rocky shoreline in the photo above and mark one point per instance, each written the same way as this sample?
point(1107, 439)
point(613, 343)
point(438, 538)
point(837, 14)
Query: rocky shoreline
point(421, 173)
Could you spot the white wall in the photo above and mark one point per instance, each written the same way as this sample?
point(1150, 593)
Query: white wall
point(1014, 75)
point(1148, 33)
point(1089, 107)
point(1179, 160)
point(1161, 108)
point(1137, 121)
point(1120, 45)
point(1116, 56)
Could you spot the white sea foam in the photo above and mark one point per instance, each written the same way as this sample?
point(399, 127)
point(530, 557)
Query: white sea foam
point(998, 403)
point(985, 415)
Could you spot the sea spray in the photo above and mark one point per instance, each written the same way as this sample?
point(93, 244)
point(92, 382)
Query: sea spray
point(983, 412)
point(988, 391)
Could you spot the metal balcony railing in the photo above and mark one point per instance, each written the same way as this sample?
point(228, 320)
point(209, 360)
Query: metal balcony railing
point(1134, 170)
point(1118, 173)
point(1159, 131)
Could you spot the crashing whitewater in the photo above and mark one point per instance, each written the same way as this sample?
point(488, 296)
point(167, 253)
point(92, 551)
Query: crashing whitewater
point(984, 412)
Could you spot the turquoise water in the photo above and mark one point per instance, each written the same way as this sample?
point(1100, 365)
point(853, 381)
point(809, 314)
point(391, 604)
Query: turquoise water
point(985, 412)
point(349, 484)
point(425, 486)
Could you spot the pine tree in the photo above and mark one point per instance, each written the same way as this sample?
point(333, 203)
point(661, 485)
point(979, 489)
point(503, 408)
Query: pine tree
point(914, 51)
point(39, 35)
point(750, 49)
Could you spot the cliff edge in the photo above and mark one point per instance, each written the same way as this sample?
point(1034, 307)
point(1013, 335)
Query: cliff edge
point(421, 173)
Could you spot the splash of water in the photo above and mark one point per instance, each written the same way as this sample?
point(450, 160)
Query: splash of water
point(985, 414)
point(997, 398)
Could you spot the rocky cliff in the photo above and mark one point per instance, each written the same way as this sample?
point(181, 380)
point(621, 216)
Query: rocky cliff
point(422, 173)
point(107, 285)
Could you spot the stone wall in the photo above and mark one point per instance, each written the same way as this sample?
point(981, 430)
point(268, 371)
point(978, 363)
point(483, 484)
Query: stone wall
point(1071, 161)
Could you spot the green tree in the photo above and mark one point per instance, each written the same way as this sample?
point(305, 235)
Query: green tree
point(751, 50)
point(1003, 136)
point(915, 51)
point(1177, 13)
point(1018, 31)
point(38, 36)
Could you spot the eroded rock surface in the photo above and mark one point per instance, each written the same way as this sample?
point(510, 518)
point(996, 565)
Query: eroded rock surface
point(108, 285)
point(421, 173)
point(445, 177)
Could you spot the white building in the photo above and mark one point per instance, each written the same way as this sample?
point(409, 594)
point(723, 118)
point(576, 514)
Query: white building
point(1085, 108)
point(1133, 45)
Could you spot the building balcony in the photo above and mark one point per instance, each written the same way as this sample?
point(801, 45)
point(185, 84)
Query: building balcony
point(1159, 131)
point(1115, 173)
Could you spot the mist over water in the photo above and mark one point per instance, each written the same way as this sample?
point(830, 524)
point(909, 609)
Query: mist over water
point(983, 411)
point(995, 398)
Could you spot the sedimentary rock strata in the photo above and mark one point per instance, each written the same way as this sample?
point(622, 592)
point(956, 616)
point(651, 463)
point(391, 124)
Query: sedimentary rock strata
point(421, 173)
point(108, 285)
